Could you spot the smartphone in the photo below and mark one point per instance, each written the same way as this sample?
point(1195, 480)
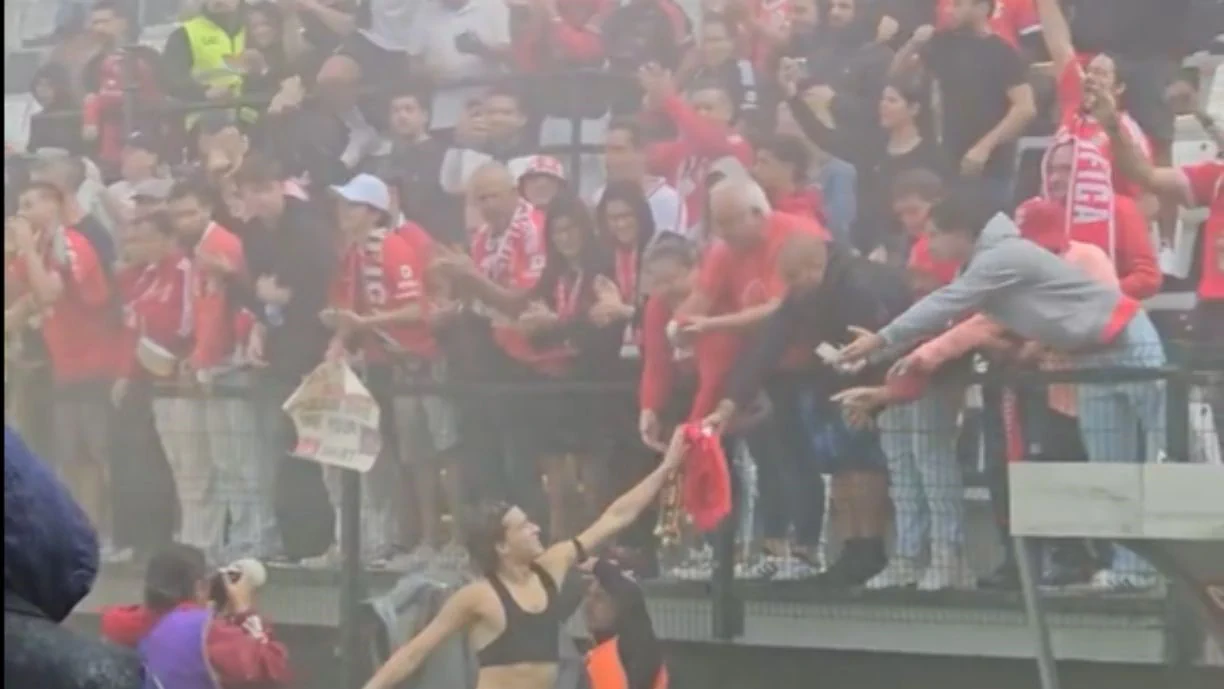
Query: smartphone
point(827, 353)
point(801, 65)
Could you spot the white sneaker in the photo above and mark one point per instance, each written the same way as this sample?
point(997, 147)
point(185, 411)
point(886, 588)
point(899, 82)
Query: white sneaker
point(791, 568)
point(1112, 581)
point(757, 567)
point(901, 572)
point(948, 570)
point(698, 566)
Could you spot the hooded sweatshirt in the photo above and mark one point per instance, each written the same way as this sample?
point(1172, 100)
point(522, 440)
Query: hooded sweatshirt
point(1025, 289)
point(50, 562)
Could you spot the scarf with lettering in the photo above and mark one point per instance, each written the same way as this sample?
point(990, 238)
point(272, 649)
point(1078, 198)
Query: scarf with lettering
point(373, 288)
point(1091, 192)
point(498, 252)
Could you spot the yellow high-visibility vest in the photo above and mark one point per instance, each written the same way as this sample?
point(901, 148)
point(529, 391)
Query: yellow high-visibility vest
point(214, 56)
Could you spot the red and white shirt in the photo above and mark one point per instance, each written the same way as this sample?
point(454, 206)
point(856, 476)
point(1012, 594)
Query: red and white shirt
point(157, 305)
point(1204, 186)
point(385, 273)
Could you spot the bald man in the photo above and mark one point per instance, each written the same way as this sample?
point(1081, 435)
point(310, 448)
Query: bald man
point(739, 274)
point(829, 291)
point(738, 287)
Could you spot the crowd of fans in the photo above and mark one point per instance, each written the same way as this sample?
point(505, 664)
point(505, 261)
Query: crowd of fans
point(757, 200)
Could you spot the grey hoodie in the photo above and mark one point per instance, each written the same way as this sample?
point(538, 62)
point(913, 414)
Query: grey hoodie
point(1024, 288)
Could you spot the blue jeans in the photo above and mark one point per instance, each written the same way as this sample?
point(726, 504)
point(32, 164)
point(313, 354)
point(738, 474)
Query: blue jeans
point(1124, 422)
point(925, 483)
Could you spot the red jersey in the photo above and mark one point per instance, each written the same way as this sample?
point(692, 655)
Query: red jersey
point(385, 273)
point(686, 161)
point(1011, 19)
point(1205, 187)
point(81, 330)
point(736, 279)
point(220, 326)
point(1078, 128)
point(513, 259)
point(156, 304)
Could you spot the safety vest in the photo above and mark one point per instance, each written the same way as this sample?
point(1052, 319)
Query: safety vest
point(606, 672)
point(214, 55)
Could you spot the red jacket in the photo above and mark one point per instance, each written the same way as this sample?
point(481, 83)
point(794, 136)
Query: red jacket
point(241, 650)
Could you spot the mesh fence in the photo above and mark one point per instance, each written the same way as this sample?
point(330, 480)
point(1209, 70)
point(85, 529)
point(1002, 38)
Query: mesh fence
point(913, 501)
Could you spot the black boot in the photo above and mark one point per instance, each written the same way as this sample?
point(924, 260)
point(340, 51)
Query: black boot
point(861, 559)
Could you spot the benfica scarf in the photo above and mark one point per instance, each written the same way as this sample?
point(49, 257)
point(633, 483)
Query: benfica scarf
point(1091, 192)
point(497, 253)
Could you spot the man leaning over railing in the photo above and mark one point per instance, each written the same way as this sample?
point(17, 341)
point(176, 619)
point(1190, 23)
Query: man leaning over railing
point(1042, 298)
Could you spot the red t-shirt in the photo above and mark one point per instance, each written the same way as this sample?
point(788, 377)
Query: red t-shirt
point(157, 304)
point(739, 279)
point(736, 279)
point(1011, 18)
point(81, 330)
point(1205, 184)
point(385, 279)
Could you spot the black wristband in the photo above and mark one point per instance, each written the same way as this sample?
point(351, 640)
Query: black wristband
point(579, 550)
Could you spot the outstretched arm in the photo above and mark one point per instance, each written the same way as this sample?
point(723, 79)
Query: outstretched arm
point(558, 559)
point(456, 614)
point(1057, 34)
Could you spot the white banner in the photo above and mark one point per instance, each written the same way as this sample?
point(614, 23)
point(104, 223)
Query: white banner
point(336, 419)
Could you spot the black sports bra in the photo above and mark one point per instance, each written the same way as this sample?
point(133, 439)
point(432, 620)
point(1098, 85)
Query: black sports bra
point(527, 638)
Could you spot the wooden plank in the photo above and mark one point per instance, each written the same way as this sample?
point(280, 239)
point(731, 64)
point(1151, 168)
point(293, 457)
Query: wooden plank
point(1156, 501)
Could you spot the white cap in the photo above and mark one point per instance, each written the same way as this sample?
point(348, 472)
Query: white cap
point(366, 190)
point(250, 568)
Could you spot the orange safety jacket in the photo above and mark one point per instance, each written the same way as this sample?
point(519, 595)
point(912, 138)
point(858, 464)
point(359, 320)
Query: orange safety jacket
point(606, 672)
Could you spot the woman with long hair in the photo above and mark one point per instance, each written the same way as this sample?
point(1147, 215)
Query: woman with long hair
point(877, 159)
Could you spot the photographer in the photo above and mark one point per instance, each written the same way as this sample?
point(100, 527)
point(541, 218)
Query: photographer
point(184, 602)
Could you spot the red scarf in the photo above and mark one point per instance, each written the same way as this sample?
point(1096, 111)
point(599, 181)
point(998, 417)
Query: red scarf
point(497, 253)
point(1091, 196)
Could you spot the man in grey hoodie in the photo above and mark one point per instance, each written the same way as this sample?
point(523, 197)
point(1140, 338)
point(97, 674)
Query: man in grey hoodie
point(1044, 299)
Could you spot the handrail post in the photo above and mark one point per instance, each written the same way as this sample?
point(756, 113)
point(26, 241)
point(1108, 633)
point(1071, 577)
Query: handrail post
point(351, 584)
point(1177, 413)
